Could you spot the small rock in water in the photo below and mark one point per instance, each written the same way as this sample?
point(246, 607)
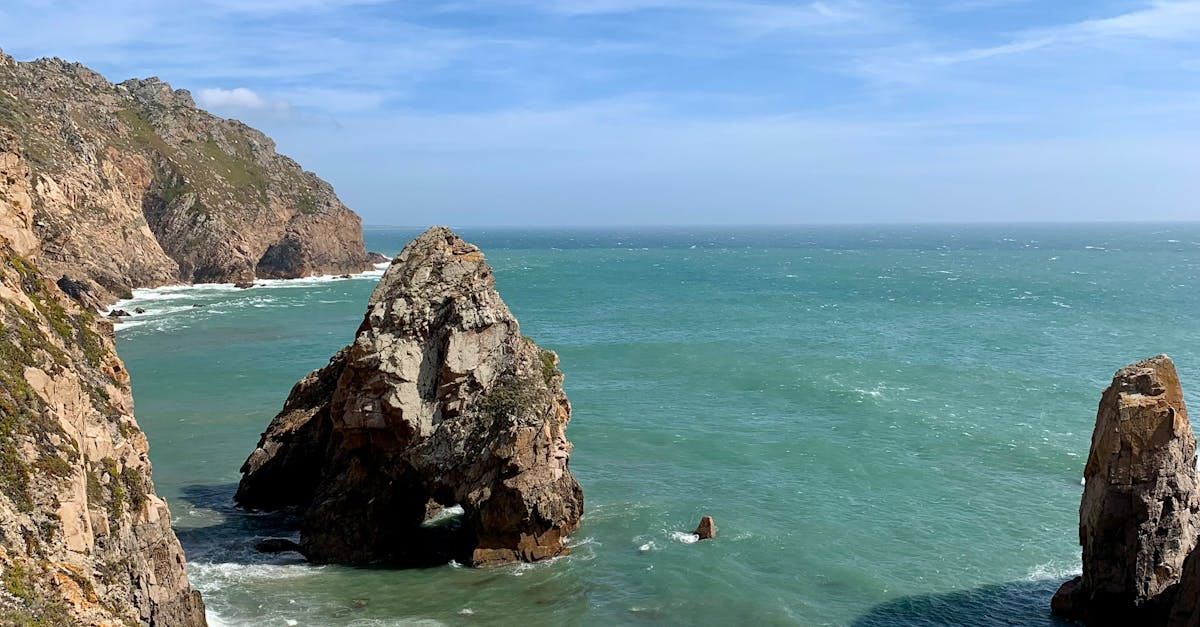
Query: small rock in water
point(344, 276)
point(118, 313)
point(244, 285)
point(707, 529)
point(197, 305)
point(276, 545)
point(140, 310)
point(360, 603)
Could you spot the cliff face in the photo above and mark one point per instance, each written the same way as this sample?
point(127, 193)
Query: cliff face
point(440, 401)
point(131, 185)
point(83, 537)
point(1140, 507)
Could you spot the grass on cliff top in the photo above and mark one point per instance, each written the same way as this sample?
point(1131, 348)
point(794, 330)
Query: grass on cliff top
point(202, 167)
point(239, 171)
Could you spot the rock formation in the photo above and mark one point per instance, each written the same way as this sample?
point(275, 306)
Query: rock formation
point(1185, 598)
point(1138, 516)
point(707, 529)
point(83, 537)
point(439, 401)
point(131, 185)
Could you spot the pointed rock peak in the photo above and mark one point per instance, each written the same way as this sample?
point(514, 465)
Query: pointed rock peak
point(1155, 376)
point(438, 402)
point(1139, 512)
point(437, 261)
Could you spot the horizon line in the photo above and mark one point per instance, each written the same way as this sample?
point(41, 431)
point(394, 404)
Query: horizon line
point(713, 225)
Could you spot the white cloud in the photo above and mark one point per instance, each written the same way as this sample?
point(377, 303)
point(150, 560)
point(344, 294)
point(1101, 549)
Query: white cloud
point(239, 98)
point(1160, 20)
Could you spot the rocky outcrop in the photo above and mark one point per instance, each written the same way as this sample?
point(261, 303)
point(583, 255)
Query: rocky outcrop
point(439, 401)
point(707, 529)
point(131, 185)
point(83, 537)
point(1185, 598)
point(1138, 516)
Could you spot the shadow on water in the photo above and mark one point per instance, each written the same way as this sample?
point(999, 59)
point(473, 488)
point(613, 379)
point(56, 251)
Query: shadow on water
point(1016, 603)
point(235, 532)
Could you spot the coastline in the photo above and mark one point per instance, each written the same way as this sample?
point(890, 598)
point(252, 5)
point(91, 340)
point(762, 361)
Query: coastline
point(181, 292)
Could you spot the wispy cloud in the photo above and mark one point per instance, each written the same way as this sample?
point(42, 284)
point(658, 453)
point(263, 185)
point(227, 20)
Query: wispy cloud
point(1162, 20)
point(238, 98)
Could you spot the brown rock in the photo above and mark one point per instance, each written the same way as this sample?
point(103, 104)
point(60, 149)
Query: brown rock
point(84, 539)
point(94, 168)
point(377, 258)
point(1138, 516)
point(1185, 598)
point(244, 285)
point(707, 529)
point(440, 398)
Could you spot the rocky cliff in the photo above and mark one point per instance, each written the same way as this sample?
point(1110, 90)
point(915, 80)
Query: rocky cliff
point(83, 537)
point(1140, 509)
point(439, 401)
point(131, 185)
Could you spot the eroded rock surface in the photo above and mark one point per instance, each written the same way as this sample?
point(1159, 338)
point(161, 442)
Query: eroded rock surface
point(439, 401)
point(131, 185)
point(84, 539)
point(1138, 516)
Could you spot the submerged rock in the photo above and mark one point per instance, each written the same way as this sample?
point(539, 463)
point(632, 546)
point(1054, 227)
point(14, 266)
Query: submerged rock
point(439, 401)
point(707, 529)
point(277, 545)
point(1138, 516)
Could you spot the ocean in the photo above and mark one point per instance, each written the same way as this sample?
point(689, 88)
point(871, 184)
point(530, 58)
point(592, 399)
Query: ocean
point(888, 423)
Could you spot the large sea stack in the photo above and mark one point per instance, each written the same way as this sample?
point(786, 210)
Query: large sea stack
point(83, 537)
point(438, 402)
point(133, 186)
point(1138, 517)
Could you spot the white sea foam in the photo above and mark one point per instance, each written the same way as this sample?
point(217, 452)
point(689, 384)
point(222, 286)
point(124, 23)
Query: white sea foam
point(129, 324)
point(686, 538)
point(1052, 570)
point(446, 513)
point(214, 619)
point(573, 544)
point(174, 299)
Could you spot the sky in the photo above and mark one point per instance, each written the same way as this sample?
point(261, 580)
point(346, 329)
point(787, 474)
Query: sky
point(631, 112)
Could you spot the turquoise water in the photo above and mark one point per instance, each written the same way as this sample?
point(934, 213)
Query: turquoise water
point(889, 424)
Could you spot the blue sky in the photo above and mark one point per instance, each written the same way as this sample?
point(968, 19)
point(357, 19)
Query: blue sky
point(562, 112)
